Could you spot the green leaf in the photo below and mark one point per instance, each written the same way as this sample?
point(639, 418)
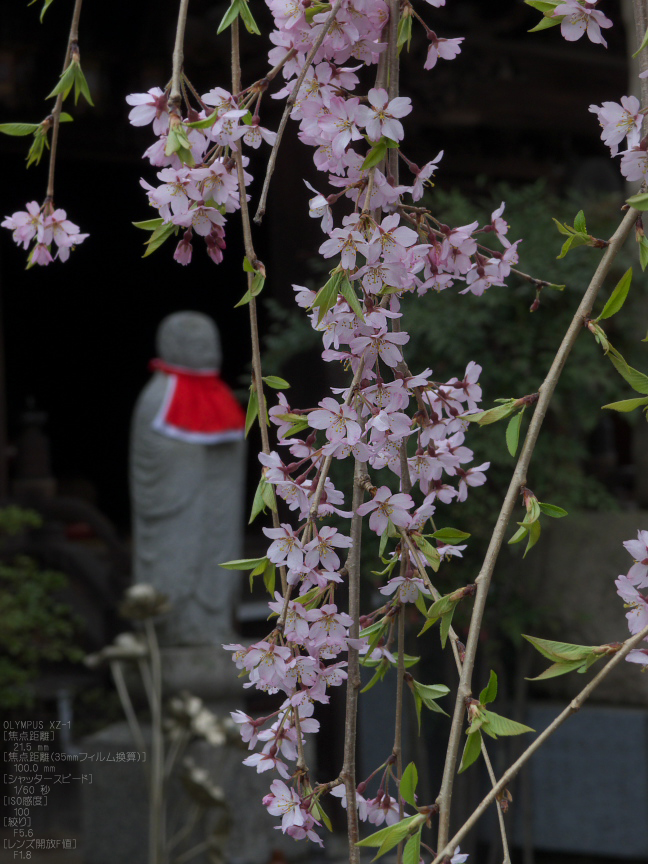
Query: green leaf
point(552, 510)
point(534, 536)
point(639, 202)
point(207, 123)
point(543, 5)
point(346, 290)
point(644, 42)
point(149, 224)
point(533, 512)
point(545, 24)
point(450, 535)
point(420, 604)
point(428, 693)
point(229, 17)
point(574, 241)
point(559, 650)
point(46, 5)
point(276, 382)
point(158, 237)
point(65, 84)
point(248, 19)
point(563, 227)
point(252, 411)
point(557, 669)
point(492, 415)
point(472, 751)
point(513, 432)
point(81, 86)
point(37, 148)
point(262, 499)
point(618, 296)
point(319, 813)
point(643, 252)
point(431, 555)
point(628, 404)
point(244, 563)
point(327, 295)
point(394, 833)
point(495, 724)
point(19, 129)
point(446, 624)
point(636, 379)
point(375, 156)
point(519, 535)
point(269, 578)
point(489, 693)
point(579, 222)
point(257, 287)
point(408, 784)
point(404, 32)
point(412, 850)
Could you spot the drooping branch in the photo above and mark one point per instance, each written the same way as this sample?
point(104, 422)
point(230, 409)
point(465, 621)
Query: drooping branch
point(518, 480)
point(574, 706)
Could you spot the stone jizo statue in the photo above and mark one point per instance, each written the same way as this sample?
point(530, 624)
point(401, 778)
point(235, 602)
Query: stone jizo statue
point(187, 476)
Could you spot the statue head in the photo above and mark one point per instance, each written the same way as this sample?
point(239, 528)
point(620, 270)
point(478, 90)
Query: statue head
point(189, 339)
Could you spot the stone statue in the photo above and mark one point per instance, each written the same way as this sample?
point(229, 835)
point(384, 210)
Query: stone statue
point(187, 474)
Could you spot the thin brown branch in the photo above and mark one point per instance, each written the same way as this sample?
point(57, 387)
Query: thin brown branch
point(175, 96)
point(574, 706)
point(348, 772)
point(73, 39)
point(517, 482)
point(289, 106)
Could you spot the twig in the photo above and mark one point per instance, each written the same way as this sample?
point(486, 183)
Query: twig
point(517, 481)
point(289, 105)
point(348, 773)
point(73, 38)
point(175, 96)
point(156, 800)
point(508, 775)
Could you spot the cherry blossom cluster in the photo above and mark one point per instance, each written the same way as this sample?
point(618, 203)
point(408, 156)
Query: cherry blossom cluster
point(44, 226)
point(199, 180)
point(628, 589)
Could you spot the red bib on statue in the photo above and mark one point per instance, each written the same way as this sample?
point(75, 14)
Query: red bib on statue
point(197, 407)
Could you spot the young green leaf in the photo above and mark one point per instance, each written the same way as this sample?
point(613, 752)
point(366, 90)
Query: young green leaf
point(489, 693)
point(639, 201)
point(446, 624)
point(579, 222)
point(408, 784)
point(375, 156)
point(492, 415)
point(257, 287)
point(19, 129)
point(149, 224)
point(628, 404)
point(450, 535)
point(412, 850)
point(513, 432)
point(472, 751)
point(244, 563)
point(387, 838)
point(326, 297)
point(229, 17)
point(252, 411)
point(636, 379)
point(557, 669)
point(248, 19)
point(618, 296)
point(495, 724)
point(276, 382)
point(644, 42)
point(643, 252)
point(545, 24)
point(556, 651)
point(552, 510)
point(534, 536)
point(347, 291)
point(431, 555)
point(158, 237)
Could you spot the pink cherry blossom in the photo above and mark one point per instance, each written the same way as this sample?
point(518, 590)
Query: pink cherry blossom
point(386, 507)
point(619, 122)
point(383, 117)
point(581, 17)
point(638, 573)
point(151, 107)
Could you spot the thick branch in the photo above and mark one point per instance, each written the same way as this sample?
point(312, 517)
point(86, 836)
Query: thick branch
point(517, 481)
